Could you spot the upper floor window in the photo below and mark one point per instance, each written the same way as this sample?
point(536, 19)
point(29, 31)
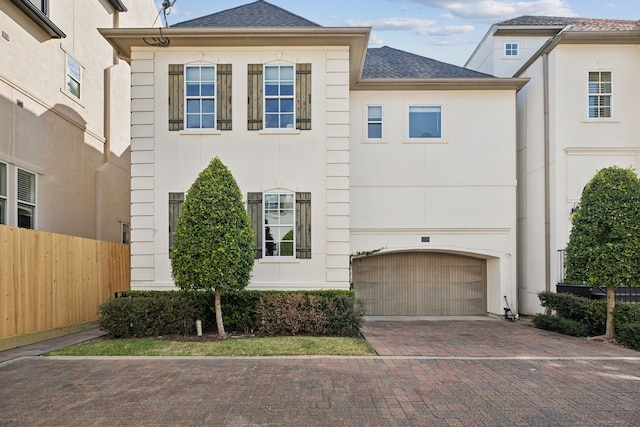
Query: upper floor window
point(200, 89)
point(374, 121)
point(599, 94)
point(279, 97)
point(3, 193)
point(199, 97)
point(74, 77)
point(26, 199)
point(511, 49)
point(425, 121)
point(279, 91)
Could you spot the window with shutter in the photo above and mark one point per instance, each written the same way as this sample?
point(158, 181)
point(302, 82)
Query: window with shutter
point(26, 199)
point(175, 206)
point(281, 222)
point(277, 99)
point(3, 193)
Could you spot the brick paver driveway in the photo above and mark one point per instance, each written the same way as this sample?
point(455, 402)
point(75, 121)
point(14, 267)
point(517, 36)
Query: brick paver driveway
point(435, 373)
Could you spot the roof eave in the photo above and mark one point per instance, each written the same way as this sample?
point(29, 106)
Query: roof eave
point(118, 5)
point(459, 83)
point(39, 18)
point(528, 30)
point(124, 40)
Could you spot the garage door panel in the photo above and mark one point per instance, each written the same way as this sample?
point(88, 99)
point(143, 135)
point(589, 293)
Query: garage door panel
point(421, 284)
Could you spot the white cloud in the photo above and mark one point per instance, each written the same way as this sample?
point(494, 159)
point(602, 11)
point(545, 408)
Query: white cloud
point(497, 10)
point(374, 40)
point(418, 26)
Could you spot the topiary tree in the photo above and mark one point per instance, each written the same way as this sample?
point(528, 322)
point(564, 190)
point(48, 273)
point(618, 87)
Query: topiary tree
point(604, 245)
point(213, 241)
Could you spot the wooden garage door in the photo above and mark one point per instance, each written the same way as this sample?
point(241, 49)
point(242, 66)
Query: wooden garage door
point(421, 284)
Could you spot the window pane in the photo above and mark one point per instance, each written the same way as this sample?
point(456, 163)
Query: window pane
point(208, 121)
point(271, 72)
point(286, 72)
point(374, 130)
point(286, 201)
point(193, 105)
point(193, 121)
point(3, 211)
point(73, 68)
point(207, 74)
point(605, 76)
point(193, 89)
point(192, 74)
point(207, 89)
point(272, 106)
point(286, 106)
point(374, 113)
point(208, 106)
point(424, 122)
point(3, 180)
point(286, 121)
point(286, 89)
point(26, 186)
point(26, 216)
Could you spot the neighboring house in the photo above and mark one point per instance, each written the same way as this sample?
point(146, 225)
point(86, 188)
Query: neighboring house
point(338, 150)
point(64, 110)
point(578, 114)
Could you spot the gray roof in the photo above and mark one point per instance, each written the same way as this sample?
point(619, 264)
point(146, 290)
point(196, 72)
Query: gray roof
point(388, 63)
point(256, 14)
point(574, 24)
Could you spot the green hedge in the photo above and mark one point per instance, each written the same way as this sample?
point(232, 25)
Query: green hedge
point(591, 313)
point(153, 313)
point(560, 324)
point(629, 335)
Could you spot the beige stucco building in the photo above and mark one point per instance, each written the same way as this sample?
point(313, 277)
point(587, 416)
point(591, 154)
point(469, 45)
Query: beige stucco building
point(340, 151)
point(577, 114)
point(64, 109)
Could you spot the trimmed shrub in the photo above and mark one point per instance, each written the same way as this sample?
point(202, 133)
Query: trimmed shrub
point(629, 335)
point(561, 325)
point(592, 313)
point(153, 313)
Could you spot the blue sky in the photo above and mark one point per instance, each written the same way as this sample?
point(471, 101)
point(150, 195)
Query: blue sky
point(446, 30)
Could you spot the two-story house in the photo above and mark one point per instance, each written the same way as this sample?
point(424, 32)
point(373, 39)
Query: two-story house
point(577, 114)
point(64, 114)
point(340, 150)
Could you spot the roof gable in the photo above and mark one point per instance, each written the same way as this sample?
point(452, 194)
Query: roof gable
point(388, 63)
point(573, 24)
point(256, 14)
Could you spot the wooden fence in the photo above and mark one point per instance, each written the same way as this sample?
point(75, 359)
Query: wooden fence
point(52, 284)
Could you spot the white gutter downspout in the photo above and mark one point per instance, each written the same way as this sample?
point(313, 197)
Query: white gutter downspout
point(547, 183)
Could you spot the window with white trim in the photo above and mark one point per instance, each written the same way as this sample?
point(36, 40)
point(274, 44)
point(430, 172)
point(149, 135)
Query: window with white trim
point(279, 224)
point(74, 77)
point(425, 121)
point(26, 196)
point(600, 85)
point(3, 193)
point(279, 93)
point(200, 99)
point(126, 233)
point(511, 49)
point(374, 121)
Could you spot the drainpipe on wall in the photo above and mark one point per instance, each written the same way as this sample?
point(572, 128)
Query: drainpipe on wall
point(547, 184)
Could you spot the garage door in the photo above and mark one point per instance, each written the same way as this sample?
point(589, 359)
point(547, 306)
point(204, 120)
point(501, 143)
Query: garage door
point(421, 284)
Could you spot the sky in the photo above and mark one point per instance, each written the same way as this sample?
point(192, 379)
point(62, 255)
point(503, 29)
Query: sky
point(445, 30)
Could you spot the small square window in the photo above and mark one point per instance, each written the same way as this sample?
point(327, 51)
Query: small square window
point(425, 122)
point(511, 49)
point(74, 77)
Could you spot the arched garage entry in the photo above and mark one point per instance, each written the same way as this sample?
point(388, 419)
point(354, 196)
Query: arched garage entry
point(421, 284)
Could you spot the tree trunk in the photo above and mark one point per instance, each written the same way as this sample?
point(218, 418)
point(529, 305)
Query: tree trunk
point(611, 304)
point(221, 332)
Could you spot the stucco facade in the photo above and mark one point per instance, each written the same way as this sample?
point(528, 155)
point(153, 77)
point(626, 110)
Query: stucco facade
point(75, 148)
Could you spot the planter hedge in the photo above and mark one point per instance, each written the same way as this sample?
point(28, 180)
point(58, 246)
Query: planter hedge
point(154, 313)
point(561, 325)
point(629, 335)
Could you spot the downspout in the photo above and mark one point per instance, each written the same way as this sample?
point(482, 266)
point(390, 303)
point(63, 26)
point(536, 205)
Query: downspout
point(106, 149)
point(547, 180)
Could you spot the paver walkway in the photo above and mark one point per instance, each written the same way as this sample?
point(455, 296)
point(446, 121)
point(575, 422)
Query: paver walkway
point(569, 383)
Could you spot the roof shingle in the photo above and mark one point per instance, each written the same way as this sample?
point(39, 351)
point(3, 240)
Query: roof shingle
point(388, 63)
point(256, 14)
point(574, 24)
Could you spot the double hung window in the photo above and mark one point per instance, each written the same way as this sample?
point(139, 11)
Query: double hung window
point(279, 92)
point(374, 122)
point(200, 90)
point(279, 225)
point(600, 85)
point(74, 77)
point(26, 199)
point(425, 121)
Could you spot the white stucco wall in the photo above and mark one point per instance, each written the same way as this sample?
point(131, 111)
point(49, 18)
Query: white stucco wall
point(578, 148)
point(459, 191)
point(315, 161)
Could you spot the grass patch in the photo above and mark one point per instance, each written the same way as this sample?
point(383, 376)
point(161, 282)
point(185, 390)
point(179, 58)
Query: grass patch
point(271, 346)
